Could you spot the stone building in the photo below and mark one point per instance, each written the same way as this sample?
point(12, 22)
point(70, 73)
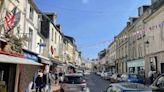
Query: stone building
point(122, 50)
point(111, 56)
point(154, 40)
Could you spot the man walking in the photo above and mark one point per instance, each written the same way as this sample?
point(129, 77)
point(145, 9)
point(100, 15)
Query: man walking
point(39, 81)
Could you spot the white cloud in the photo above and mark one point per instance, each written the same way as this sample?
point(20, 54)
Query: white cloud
point(85, 1)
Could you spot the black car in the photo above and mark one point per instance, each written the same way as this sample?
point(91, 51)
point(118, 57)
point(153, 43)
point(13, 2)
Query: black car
point(127, 87)
point(158, 84)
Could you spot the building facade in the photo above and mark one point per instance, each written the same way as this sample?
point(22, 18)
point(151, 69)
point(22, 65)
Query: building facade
point(122, 50)
point(154, 38)
point(111, 56)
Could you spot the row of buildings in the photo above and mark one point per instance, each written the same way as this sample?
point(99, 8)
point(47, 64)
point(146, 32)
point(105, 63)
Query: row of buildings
point(140, 45)
point(31, 40)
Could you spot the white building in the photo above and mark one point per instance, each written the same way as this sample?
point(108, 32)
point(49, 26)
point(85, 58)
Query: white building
point(32, 28)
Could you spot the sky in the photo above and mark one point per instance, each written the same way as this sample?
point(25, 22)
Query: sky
point(93, 23)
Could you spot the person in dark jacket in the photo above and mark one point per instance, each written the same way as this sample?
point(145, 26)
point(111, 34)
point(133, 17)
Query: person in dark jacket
point(39, 81)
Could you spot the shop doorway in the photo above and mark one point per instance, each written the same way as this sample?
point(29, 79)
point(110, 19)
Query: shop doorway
point(7, 76)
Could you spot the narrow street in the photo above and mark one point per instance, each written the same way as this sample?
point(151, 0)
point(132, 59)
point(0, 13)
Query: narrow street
point(96, 83)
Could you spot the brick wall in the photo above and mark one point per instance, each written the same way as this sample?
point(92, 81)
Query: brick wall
point(26, 77)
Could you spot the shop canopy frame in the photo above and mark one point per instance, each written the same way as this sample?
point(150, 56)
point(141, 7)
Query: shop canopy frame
point(17, 60)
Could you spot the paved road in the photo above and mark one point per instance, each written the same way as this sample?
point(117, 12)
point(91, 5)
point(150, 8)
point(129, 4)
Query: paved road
point(96, 83)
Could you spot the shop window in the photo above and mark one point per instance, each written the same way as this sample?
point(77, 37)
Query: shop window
point(153, 63)
point(131, 69)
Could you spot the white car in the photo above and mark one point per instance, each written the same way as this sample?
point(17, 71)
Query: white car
point(74, 83)
point(87, 72)
point(102, 74)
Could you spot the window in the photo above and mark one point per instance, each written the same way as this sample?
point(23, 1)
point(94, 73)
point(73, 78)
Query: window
point(162, 30)
point(31, 13)
point(59, 38)
point(31, 38)
point(52, 35)
point(55, 37)
point(160, 82)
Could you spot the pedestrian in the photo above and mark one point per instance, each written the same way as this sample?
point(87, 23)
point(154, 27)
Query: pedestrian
point(151, 77)
point(39, 81)
point(56, 78)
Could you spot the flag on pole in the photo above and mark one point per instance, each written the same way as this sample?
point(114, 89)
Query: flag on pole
point(10, 19)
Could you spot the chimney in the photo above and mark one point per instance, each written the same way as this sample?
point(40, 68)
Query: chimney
point(142, 9)
point(128, 23)
point(52, 17)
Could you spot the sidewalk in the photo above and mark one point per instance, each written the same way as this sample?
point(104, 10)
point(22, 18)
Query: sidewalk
point(55, 87)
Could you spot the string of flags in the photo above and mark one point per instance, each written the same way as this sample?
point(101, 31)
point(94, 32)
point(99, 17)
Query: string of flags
point(141, 31)
point(96, 44)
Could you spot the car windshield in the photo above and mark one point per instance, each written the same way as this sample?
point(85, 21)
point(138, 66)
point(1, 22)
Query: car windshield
point(135, 86)
point(72, 79)
point(133, 76)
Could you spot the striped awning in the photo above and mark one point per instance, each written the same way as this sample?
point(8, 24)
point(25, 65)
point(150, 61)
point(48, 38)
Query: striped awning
point(17, 60)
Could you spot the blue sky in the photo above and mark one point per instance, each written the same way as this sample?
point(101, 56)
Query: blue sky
point(93, 23)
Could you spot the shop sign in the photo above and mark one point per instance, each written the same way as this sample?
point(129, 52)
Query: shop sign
point(30, 56)
point(42, 44)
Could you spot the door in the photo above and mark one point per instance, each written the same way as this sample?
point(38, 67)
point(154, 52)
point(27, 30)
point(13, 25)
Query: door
point(7, 76)
point(162, 67)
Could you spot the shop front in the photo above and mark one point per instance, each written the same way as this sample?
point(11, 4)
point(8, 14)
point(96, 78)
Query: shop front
point(135, 66)
point(57, 66)
point(7, 77)
point(27, 72)
point(46, 68)
point(10, 69)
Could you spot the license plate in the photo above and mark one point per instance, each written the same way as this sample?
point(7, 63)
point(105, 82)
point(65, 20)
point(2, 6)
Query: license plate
point(73, 88)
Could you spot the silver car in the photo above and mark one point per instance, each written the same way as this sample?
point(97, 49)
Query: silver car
point(74, 83)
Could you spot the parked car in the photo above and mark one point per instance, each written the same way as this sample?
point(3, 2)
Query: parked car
point(127, 87)
point(158, 84)
point(80, 72)
point(74, 83)
point(115, 78)
point(86, 72)
point(102, 74)
point(135, 78)
point(98, 73)
point(107, 75)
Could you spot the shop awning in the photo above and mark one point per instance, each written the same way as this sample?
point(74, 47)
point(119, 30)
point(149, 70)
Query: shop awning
point(56, 62)
point(17, 60)
point(44, 60)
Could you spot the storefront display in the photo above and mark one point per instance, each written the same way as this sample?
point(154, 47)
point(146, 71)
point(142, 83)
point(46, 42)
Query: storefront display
point(135, 66)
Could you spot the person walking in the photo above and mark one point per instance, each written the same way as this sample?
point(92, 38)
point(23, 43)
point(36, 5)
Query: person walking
point(39, 81)
point(151, 76)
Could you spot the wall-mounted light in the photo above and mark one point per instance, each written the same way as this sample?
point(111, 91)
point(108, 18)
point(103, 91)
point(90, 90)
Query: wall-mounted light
point(147, 42)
